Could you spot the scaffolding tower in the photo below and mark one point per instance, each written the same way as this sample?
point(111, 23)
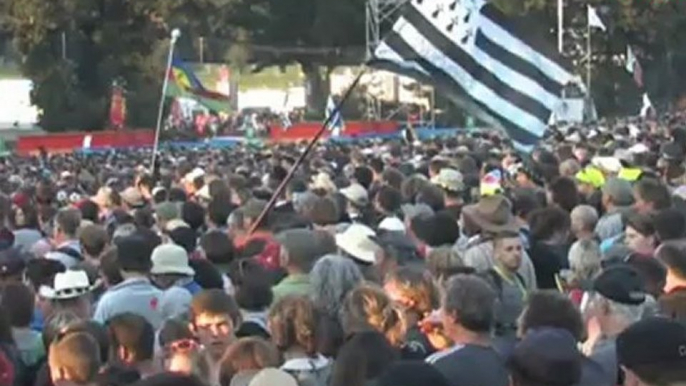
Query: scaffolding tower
point(379, 15)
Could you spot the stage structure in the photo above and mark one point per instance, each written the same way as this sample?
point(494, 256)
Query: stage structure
point(380, 16)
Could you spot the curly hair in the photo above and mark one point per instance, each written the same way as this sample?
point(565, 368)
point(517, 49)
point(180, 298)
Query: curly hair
point(332, 277)
point(293, 323)
point(369, 308)
point(416, 286)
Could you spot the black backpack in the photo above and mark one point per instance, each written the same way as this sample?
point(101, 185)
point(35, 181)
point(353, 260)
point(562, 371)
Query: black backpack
point(497, 281)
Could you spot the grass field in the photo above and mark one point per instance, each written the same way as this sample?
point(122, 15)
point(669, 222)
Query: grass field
point(271, 77)
point(9, 72)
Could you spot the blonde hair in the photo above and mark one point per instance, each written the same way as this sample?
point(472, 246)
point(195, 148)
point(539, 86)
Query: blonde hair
point(369, 308)
point(444, 262)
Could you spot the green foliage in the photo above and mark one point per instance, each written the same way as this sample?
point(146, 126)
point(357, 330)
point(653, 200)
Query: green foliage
point(655, 29)
point(106, 40)
point(316, 34)
point(127, 40)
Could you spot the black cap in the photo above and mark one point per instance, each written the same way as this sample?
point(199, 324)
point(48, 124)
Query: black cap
point(672, 152)
point(547, 356)
point(6, 239)
point(621, 284)
point(652, 341)
point(185, 237)
point(11, 263)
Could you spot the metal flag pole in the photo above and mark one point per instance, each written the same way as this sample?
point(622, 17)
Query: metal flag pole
point(325, 125)
point(590, 57)
point(175, 34)
point(560, 26)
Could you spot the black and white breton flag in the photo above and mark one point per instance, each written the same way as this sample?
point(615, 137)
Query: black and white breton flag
point(481, 60)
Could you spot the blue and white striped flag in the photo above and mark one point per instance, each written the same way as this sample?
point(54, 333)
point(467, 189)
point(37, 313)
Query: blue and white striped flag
point(482, 61)
point(336, 123)
point(285, 120)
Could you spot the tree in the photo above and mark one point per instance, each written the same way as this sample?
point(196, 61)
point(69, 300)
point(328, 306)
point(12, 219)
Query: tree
point(656, 30)
point(316, 34)
point(74, 49)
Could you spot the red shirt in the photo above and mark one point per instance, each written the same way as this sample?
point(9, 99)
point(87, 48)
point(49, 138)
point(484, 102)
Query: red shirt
point(269, 257)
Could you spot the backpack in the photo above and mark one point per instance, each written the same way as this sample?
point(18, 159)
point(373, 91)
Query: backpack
point(497, 281)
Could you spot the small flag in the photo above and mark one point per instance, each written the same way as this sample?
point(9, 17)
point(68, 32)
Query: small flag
point(647, 106)
point(594, 20)
point(87, 141)
point(185, 83)
point(491, 183)
point(634, 67)
point(285, 121)
point(336, 121)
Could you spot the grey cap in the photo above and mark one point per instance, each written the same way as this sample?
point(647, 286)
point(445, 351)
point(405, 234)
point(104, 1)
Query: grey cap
point(167, 211)
point(620, 190)
point(301, 245)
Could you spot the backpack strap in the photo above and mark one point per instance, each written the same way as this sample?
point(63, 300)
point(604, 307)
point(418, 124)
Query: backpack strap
point(496, 280)
point(520, 279)
point(71, 253)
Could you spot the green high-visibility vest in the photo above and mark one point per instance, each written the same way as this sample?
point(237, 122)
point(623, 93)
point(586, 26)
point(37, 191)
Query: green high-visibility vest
point(630, 174)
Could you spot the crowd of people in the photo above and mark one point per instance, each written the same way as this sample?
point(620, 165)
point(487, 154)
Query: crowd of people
point(454, 262)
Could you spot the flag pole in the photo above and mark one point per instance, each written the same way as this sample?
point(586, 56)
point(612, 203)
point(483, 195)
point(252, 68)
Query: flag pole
point(588, 61)
point(560, 26)
point(279, 190)
point(175, 34)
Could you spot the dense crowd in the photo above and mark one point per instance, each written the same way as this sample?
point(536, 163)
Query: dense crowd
point(454, 262)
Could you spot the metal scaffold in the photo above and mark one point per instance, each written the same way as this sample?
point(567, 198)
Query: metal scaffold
point(380, 16)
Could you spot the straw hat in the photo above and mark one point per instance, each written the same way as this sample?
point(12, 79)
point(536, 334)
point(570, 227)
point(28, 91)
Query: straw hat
point(357, 241)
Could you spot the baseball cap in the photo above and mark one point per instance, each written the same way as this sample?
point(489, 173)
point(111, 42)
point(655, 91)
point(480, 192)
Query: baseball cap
point(622, 284)
point(167, 211)
point(653, 341)
point(620, 191)
point(449, 179)
point(672, 152)
point(299, 242)
point(547, 356)
point(6, 239)
point(132, 197)
point(253, 208)
point(356, 194)
point(11, 263)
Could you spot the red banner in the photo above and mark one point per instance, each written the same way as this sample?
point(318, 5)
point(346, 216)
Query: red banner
point(117, 108)
point(68, 142)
